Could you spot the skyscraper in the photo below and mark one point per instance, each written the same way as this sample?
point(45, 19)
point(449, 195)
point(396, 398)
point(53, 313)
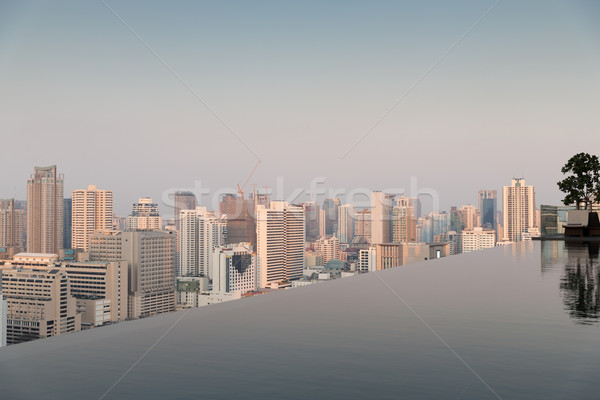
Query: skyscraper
point(381, 211)
point(404, 221)
point(345, 229)
point(362, 224)
point(144, 216)
point(45, 211)
point(67, 222)
point(241, 222)
point(200, 233)
point(11, 226)
point(311, 214)
point(331, 214)
point(183, 201)
point(280, 231)
point(92, 210)
point(150, 263)
point(518, 206)
point(487, 208)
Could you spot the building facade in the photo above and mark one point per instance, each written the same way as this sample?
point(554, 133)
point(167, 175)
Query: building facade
point(518, 206)
point(345, 223)
point(381, 211)
point(144, 216)
point(235, 269)
point(11, 226)
point(45, 221)
point(477, 239)
point(280, 243)
point(92, 210)
point(200, 232)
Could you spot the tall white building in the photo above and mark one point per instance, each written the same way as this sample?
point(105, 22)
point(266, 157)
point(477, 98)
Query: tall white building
point(144, 216)
point(200, 232)
point(381, 213)
point(280, 243)
point(151, 267)
point(92, 210)
point(518, 207)
point(234, 269)
point(367, 259)
point(477, 239)
point(45, 211)
point(345, 228)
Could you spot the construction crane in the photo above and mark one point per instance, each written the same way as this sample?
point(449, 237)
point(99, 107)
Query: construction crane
point(241, 189)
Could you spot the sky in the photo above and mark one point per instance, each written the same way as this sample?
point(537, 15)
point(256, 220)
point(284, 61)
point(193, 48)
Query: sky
point(146, 97)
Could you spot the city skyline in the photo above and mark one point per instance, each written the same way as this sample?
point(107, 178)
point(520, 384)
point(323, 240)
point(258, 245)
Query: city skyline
point(315, 75)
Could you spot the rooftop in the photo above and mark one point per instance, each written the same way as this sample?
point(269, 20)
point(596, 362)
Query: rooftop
point(512, 322)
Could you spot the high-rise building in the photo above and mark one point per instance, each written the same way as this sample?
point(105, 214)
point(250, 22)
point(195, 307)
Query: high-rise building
point(477, 239)
point(322, 223)
point(381, 212)
point(144, 216)
point(150, 263)
point(487, 208)
point(328, 248)
point(518, 206)
point(183, 201)
point(39, 303)
point(11, 226)
point(362, 224)
point(404, 222)
point(92, 211)
point(331, 214)
point(345, 221)
point(241, 222)
point(45, 222)
point(67, 222)
point(235, 268)
point(312, 212)
point(200, 233)
point(280, 231)
point(469, 217)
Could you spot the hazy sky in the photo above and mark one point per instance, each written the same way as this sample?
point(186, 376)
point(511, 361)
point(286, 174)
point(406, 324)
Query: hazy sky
point(299, 83)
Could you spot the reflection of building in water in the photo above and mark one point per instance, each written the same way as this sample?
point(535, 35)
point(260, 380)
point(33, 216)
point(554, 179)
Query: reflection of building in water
point(580, 278)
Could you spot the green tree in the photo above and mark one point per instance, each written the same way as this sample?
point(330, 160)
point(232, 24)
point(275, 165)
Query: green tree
point(582, 186)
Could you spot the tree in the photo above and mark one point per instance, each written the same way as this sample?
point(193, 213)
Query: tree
point(582, 186)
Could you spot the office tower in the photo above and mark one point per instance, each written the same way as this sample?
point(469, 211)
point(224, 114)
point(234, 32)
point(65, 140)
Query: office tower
point(345, 222)
point(150, 263)
point(280, 231)
point(311, 215)
point(183, 201)
point(45, 211)
point(241, 221)
point(38, 303)
point(477, 239)
point(100, 290)
point(487, 208)
point(144, 216)
point(367, 259)
point(455, 220)
point(469, 217)
point(404, 222)
point(331, 214)
point(362, 224)
point(518, 206)
point(200, 233)
point(2, 319)
point(92, 211)
point(235, 268)
point(67, 222)
point(328, 248)
point(11, 227)
point(322, 223)
point(381, 208)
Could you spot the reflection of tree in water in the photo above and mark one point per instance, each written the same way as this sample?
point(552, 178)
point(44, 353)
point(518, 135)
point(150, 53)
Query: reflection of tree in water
point(580, 282)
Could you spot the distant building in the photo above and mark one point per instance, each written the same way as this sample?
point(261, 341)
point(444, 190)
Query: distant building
point(183, 201)
point(367, 259)
point(390, 255)
point(144, 216)
point(92, 210)
point(469, 216)
point(328, 248)
point(150, 263)
point(45, 221)
point(11, 227)
point(488, 208)
point(235, 269)
point(241, 221)
point(404, 222)
point(518, 206)
point(477, 239)
point(2, 319)
point(200, 233)
point(453, 239)
point(280, 244)
point(362, 224)
point(189, 290)
point(39, 303)
point(67, 222)
point(381, 213)
point(330, 206)
point(312, 214)
point(345, 223)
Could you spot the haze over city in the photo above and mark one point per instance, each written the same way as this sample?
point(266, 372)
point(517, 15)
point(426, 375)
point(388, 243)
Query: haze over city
point(298, 85)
